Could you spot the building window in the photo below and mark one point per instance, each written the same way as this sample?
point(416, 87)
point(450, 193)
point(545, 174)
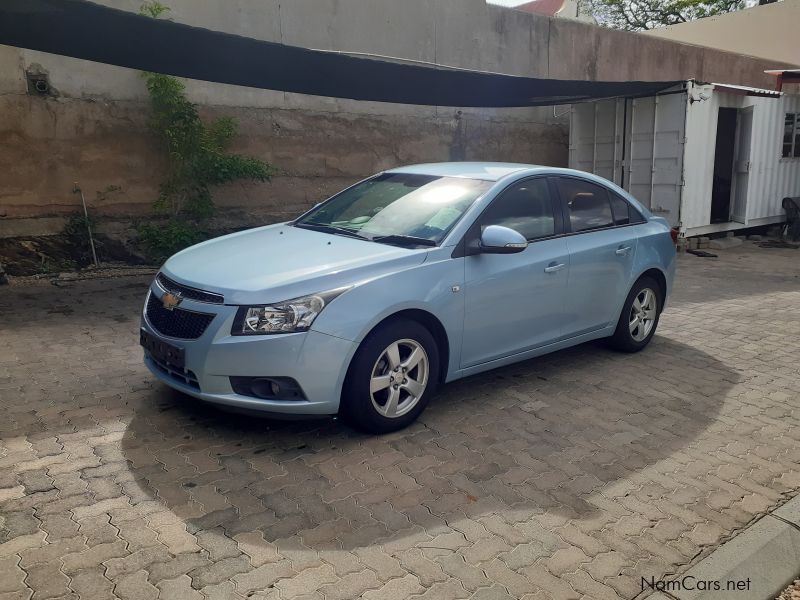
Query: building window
point(791, 136)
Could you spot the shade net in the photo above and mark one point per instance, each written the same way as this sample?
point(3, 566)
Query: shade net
point(88, 31)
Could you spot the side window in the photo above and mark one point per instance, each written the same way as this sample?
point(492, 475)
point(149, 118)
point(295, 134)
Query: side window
point(587, 204)
point(525, 207)
point(621, 210)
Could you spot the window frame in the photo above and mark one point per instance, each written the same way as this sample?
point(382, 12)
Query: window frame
point(794, 148)
point(470, 242)
point(632, 210)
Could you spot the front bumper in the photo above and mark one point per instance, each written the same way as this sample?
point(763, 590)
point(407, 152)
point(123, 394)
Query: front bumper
point(317, 361)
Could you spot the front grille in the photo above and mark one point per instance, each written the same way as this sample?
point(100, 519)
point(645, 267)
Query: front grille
point(187, 292)
point(183, 376)
point(176, 323)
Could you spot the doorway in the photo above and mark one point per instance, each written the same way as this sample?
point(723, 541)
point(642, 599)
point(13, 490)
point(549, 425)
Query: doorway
point(724, 155)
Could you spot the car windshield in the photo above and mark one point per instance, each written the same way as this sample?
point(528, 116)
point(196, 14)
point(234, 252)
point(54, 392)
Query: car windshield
point(397, 208)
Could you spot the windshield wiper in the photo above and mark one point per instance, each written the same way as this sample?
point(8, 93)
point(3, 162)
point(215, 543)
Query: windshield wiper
point(403, 240)
point(330, 229)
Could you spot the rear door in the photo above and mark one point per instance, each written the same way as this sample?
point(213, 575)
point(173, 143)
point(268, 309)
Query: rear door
point(602, 243)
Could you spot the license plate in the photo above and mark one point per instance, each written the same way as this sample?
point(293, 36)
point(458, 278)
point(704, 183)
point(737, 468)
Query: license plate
point(162, 351)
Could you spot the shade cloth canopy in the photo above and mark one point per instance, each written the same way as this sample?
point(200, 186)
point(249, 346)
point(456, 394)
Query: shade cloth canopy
point(89, 31)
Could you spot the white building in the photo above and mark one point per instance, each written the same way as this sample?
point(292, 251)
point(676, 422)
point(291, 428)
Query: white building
point(707, 157)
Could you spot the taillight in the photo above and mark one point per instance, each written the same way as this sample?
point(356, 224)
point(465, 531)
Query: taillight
point(674, 233)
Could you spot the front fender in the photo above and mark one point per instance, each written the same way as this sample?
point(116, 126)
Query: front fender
point(427, 287)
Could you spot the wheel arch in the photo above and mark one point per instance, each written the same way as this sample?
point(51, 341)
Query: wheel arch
point(428, 320)
point(660, 278)
point(656, 274)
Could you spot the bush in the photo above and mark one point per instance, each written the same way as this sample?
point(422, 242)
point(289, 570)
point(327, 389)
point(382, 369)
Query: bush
point(197, 159)
point(161, 241)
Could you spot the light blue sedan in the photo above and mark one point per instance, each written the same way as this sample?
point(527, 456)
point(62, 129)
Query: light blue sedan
point(407, 280)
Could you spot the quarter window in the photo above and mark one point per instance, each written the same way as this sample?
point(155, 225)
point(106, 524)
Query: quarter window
point(621, 210)
point(525, 207)
point(624, 212)
point(587, 204)
point(791, 136)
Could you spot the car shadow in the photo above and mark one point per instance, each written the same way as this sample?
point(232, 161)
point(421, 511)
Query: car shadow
point(549, 436)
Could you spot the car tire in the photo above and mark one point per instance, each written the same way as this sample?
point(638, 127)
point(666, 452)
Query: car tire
point(639, 318)
point(378, 396)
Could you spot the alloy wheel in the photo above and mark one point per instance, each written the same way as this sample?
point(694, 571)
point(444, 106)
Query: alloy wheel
point(643, 314)
point(399, 378)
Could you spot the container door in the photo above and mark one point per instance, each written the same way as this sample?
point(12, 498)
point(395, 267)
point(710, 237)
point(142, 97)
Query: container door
point(741, 174)
point(595, 138)
point(654, 157)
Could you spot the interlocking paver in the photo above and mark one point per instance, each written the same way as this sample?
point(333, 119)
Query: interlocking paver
point(352, 585)
point(91, 583)
point(568, 476)
point(178, 589)
point(46, 580)
point(135, 586)
point(93, 557)
point(262, 577)
point(395, 589)
point(11, 575)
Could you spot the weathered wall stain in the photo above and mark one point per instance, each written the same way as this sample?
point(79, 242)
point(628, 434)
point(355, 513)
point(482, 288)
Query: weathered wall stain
point(44, 144)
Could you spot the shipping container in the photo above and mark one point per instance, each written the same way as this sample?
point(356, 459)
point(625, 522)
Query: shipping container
point(707, 157)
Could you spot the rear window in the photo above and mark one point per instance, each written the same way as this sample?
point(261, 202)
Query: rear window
point(587, 204)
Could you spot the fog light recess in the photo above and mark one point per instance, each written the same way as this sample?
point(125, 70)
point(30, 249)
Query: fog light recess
point(268, 388)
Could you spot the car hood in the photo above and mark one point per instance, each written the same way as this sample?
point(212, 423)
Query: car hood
point(281, 262)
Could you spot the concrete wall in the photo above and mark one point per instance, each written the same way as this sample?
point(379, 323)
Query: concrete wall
point(768, 31)
point(95, 131)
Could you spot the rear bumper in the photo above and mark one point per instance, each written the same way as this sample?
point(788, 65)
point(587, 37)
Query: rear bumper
point(317, 361)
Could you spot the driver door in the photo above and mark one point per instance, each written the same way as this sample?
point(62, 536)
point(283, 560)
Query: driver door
point(515, 302)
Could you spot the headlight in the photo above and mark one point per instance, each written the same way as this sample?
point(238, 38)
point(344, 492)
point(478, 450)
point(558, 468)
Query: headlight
point(283, 317)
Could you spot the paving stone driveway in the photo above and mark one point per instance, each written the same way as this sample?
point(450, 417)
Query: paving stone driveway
point(569, 476)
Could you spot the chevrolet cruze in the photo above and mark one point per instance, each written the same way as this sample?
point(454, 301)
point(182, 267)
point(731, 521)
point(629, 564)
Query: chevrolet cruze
point(412, 278)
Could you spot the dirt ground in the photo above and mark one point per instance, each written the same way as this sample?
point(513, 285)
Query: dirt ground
point(37, 255)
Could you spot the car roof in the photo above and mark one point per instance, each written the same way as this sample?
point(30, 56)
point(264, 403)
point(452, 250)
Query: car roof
point(488, 171)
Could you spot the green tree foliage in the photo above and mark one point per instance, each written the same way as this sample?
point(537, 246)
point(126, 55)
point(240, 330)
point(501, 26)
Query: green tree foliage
point(198, 159)
point(640, 15)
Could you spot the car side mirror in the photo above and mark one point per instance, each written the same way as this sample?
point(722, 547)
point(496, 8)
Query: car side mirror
point(497, 239)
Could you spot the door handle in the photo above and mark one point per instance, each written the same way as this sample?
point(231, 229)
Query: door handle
point(553, 267)
point(622, 250)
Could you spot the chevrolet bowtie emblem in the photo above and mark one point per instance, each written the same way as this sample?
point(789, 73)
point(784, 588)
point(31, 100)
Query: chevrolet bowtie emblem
point(170, 300)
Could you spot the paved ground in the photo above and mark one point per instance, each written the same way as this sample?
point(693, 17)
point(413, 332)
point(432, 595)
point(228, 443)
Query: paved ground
point(569, 476)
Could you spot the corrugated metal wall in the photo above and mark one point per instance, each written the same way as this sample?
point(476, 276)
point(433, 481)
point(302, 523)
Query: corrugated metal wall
point(772, 178)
